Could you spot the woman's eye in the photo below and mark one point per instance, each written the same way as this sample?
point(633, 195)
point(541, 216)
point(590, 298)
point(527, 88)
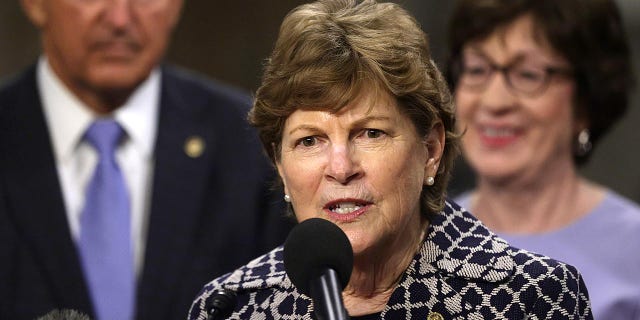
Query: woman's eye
point(373, 133)
point(476, 71)
point(307, 141)
point(530, 74)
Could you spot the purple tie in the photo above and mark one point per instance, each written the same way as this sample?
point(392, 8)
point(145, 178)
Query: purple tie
point(105, 227)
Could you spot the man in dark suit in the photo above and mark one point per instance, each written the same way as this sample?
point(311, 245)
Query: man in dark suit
point(198, 184)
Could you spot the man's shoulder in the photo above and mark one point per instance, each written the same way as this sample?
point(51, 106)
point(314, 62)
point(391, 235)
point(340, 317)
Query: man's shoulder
point(198, 87)
point(13, 85)
point(18, 93)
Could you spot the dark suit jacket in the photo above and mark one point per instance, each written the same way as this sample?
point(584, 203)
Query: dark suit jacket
point(209, 214)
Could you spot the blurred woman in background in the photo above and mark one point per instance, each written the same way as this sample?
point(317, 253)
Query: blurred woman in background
point(537, 83)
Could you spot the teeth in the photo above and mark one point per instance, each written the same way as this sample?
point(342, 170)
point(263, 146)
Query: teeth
point(345, 207)
point(497, 132)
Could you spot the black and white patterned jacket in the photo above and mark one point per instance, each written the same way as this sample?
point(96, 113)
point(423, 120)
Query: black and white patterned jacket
point(462, 271)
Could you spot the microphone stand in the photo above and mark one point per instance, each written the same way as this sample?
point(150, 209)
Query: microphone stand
point(325, 290)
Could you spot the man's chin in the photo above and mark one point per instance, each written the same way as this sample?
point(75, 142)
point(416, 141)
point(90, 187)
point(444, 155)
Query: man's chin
point(117, 78)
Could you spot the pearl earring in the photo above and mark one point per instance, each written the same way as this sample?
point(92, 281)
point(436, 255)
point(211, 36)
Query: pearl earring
point(430, 181)
point(287, 198)
point(584, 142)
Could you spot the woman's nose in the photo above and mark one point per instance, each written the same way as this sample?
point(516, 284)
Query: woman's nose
point(342, 166)
point(497, 96)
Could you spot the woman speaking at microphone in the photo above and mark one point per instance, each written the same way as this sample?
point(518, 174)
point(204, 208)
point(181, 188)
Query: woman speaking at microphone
point(360, 125)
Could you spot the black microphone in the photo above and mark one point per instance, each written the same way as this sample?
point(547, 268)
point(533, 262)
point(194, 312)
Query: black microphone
point(318, 259)
point(221, 304)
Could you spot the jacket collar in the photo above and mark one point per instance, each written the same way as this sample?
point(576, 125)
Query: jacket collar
point(460, 245)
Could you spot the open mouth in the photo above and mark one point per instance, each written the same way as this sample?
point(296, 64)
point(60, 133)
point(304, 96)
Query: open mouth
point(498, 132)
point(498, 137)
point(346, 206)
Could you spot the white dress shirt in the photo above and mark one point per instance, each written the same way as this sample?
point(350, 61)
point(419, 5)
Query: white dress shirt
point(68, 118)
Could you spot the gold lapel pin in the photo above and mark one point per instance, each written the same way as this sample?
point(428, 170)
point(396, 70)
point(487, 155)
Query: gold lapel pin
point(434, 316)
point(194, 146)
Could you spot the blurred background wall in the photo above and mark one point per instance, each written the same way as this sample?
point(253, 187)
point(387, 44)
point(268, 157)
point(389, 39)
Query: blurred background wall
point(229, 40)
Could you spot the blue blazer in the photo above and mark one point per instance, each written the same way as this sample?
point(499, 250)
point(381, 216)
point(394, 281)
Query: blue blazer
point(462, 271)
point(208, 214)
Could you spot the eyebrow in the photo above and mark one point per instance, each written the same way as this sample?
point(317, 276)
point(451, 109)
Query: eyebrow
point(518, 57)
point(306, 127)
point(357, 123)
point(370, 118)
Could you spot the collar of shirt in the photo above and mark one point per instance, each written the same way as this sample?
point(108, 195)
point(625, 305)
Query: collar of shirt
point(68, 117)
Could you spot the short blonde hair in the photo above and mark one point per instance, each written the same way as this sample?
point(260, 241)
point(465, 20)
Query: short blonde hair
point(328, 51)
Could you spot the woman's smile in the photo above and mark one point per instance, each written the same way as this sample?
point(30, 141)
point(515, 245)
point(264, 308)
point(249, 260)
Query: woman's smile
point(498, 136)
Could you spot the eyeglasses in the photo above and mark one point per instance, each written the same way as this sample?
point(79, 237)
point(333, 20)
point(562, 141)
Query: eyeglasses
point(523, 77)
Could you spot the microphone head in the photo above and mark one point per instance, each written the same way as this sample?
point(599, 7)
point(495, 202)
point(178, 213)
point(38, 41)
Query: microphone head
point(314, 245)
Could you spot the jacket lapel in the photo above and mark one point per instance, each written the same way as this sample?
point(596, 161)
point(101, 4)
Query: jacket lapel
point(34, 195)
point(182, 162)
point(458, 244)
point(457, 253)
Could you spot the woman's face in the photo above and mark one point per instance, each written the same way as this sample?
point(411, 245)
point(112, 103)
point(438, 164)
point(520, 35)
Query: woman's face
point(362, 168)
point(511, 135)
